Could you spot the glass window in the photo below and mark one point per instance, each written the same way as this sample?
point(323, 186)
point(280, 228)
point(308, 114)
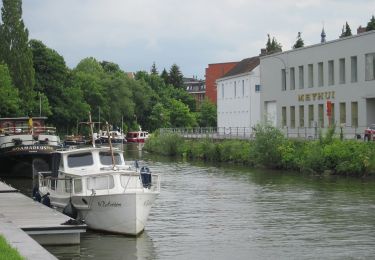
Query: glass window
point(100, 183)
point(311, 115)
point(80, 160)
point(332, 113)
point(106, 158)
point(292, 117)
point(301, 78)
point(321, 115)
point(370, 66)
point(301, 116)
point(243, 88)
point(320, 74)
point(354, 72)
point(292, 79)
point(77, 185)
point(283, 116)
point(354, 114)
point(222, 90)
point(283, 79)
point(342, 70)
point(68, 185)
point(235, 89)
point(257, 88)
point(331, 73)
point(311, 75)
point(342, 113)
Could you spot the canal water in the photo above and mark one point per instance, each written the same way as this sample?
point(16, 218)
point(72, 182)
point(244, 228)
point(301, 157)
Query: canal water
point(229, 212)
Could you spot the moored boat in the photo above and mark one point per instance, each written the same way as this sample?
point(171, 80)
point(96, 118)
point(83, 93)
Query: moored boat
point(137, 136)
point(22, 140)
point(107, 193)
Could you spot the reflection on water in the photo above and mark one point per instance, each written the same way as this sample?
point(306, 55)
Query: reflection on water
point(209, 211)
point(95, 245)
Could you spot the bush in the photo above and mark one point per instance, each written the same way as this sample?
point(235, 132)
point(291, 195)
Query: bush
point(169, 144)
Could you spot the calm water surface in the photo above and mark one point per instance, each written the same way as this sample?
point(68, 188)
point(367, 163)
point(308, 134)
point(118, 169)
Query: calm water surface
point(228, 212)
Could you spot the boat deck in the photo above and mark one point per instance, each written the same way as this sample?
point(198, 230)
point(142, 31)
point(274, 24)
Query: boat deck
point(44, 224)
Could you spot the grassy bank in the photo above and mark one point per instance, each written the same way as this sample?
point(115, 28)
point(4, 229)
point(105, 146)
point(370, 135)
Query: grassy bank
point(7, 252)
point(270, 149)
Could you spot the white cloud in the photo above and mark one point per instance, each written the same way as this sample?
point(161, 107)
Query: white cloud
point(190, 33)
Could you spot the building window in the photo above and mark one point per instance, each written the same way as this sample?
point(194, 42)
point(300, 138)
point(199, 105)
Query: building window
point(257, 88)
point(283, 116)
point(310, 75)
point(354, 72)
point(342, 113)
point(222, 90)
point(292, 79)
point(321, 115)
point(243, 88)
point(283, 79)
point(370, 66)
point(235, 89)
point(331, 73)
point(311, 115)
point(332, 114)
point(292, 117)
point(354, 114)
point(320, 74)
point(342, 71)
point(301, 116)
point(301, 79)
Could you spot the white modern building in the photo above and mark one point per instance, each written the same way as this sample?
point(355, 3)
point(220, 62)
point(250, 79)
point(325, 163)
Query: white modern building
point(312, 87)
point(238, 98)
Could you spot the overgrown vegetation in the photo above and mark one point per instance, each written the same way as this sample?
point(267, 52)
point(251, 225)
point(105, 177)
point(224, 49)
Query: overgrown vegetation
point(270, 149)
point(7, 252)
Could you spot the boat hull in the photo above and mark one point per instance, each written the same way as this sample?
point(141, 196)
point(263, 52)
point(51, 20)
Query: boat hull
point(125, 213)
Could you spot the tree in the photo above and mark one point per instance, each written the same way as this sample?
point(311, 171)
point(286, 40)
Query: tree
point(346, 31)
point(272, 46)
point(164, 75)
point(180, 115)
point(15, 52)
point(176, 77)
point(154, 70)
point(299, 43)
point(9, 99)
point(208, 114)
point(371, 24)
point(110, 67)
point(159, 117)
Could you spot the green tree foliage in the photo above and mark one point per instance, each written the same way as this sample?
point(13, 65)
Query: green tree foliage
point(154, 70)
point(272, 46)
point(346, 31)
point(9, 99)
point(299, 43)
point(159, 117)
point(207, 114)
point(180, 115)
point(15, 52)
point(110, 67)
point(164, 75)
point(176, 77)
point(371, 24)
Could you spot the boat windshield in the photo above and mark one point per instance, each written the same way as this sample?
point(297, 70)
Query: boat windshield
point(106, 158)
point(79, 160)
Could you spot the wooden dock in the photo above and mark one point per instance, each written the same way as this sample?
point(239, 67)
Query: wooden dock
point(44, 224)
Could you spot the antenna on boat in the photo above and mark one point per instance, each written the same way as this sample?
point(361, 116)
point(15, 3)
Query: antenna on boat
point(110, 146)
point(92, 130)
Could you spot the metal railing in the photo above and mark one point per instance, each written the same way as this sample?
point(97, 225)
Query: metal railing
point(346, 132)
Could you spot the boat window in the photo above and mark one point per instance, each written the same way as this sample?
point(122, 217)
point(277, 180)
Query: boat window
point(77, 185)
point(68, 185)
point(106, 158)
point(79, 160)
point(100, 183)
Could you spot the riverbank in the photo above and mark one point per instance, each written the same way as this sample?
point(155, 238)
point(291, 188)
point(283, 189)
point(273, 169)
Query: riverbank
point(270, 149)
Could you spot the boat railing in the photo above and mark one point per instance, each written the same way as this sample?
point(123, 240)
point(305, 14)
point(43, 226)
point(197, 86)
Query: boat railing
point(21, 130)
point(32, 141)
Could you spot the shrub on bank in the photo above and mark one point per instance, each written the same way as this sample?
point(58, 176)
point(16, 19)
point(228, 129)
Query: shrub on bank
point(272, 150)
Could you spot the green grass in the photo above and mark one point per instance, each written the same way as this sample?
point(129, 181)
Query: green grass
point(7, 252)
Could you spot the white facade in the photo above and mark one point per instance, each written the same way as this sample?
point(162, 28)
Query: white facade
point(297, 84)
point(238, 100)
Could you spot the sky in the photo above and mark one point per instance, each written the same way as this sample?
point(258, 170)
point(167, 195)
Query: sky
point(191, 34)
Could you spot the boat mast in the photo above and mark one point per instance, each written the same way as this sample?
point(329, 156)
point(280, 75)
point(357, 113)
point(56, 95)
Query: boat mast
point(110, 146)
point(92, 130)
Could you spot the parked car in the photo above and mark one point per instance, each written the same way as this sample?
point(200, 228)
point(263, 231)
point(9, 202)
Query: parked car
point(370, 133)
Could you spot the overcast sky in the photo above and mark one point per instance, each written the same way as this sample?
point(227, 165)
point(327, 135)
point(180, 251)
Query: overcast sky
point(192, 33)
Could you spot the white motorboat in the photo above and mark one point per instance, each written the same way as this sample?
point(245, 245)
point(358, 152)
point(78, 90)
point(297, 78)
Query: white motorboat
point(107, 193)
